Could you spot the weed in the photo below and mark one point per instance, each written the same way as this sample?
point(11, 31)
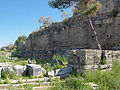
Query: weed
point(104, 60)
point(58, 57)
point(28, 87)
point(19, 81)
point(7, 80)
point(1, 81)
point(11, 87)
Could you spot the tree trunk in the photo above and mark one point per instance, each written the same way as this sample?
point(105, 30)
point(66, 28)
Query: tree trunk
point(95, 33)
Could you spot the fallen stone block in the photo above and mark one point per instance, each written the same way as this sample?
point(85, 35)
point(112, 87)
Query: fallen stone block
point(20, 70)
point(7, 70)
point(63, 72)
point(34, 70)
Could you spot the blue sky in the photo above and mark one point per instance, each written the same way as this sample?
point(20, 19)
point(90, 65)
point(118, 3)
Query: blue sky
point(20, 17)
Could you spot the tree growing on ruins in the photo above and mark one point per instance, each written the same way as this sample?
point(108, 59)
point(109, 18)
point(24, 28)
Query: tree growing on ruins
point(20, 39)
point(88, 8)
point(45, 21)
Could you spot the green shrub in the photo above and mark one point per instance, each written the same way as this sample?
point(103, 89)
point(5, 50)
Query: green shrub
point(42, 76)
point(7, 80)
point(19, 81)
point(106, 80)
point(58, 57)
point(1, 81)
point(71, 83)
point(20, 39)
point(8, 74)
point(42, 61)
point(104, 60)
point(114, 13)
point(28, 87)
point(11, 87)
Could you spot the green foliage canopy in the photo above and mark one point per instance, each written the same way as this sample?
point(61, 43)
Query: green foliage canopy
point(61, 4)
point(85, 7)
point(20, 39)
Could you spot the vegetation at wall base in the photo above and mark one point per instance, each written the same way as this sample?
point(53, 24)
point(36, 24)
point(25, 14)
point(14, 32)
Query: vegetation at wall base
point(108, 80)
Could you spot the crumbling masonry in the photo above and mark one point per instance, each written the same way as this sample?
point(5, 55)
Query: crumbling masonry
point(76, 34)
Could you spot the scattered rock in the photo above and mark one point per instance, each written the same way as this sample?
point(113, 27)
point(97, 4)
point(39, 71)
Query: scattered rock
point(33, 69)
point(31, 61)
point(63, 72)
point(11, 58)
point(3, 49)
point(93, 86)
point(51, 73)
point(107, 66)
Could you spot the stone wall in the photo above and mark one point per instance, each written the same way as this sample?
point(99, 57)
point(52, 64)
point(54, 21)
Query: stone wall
point(76, 33)
point(88, 59)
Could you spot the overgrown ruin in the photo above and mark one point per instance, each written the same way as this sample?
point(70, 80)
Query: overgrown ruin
point(76, 33)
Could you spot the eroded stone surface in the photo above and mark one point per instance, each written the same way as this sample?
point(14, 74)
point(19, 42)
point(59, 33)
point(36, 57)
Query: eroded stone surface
point(33, 69)
point(20, 70)
point(61, 72)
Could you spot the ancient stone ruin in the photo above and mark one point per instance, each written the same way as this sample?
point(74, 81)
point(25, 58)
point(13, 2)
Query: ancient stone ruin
point(89, 59)
point(76, 34)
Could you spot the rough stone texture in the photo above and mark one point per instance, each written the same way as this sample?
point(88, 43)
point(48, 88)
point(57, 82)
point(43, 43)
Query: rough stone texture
point(76, 33)
point(61, 72)
point(33, 69)
point(51, 73)
point(20, 45)
point(7, 69)
point(20, 70)
point(88, 59)
point(112, 55)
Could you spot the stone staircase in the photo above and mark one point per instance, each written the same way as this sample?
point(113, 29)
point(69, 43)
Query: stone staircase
point(37, 83)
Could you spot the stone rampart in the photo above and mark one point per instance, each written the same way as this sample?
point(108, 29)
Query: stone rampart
point(88, 59)
point(76, 33)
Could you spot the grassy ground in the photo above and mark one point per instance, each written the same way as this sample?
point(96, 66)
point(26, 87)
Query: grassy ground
point(14, 62)
point(108, 80)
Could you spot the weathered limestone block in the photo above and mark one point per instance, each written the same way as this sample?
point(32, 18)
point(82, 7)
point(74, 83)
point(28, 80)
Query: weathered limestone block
point(112, 55)
point(33, 69)
point(85, 57)
point(93, 57)
point(51, 73)
point(88, 59)
point(106, 66)
point(7, 69)
point(61, 72)
point(20, 70)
